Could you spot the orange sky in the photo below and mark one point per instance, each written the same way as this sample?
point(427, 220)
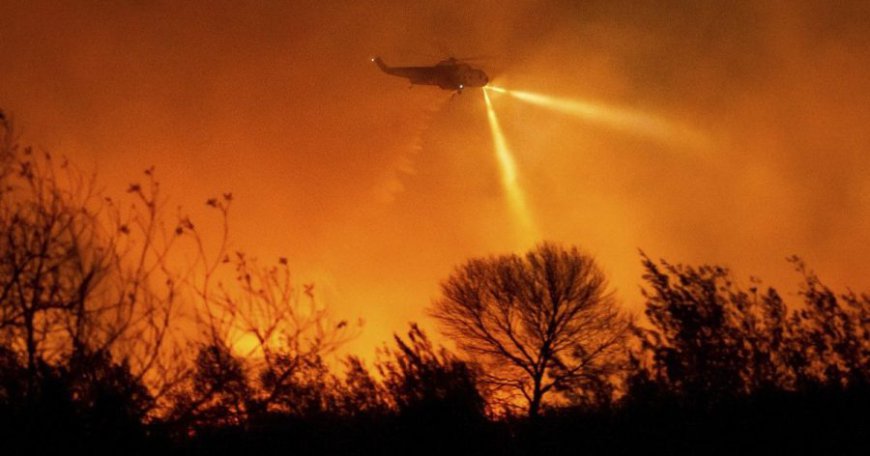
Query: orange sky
point(376, 191)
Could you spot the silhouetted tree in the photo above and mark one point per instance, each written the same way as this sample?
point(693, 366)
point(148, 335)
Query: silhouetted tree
point(90, 401)
point(111, 403)
point(218, 394)
point(714, 340)
point(539, 324)
point(417, 376)
point(704, 331)
point(829, 335)
point(359, 393)
point(744, 369)
point(50, 261)
point(291, 333)
point(73, 281)
point(433, 395)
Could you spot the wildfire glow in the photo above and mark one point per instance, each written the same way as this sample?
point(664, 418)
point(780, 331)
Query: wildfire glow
point(515, 196)
point(616, 118)
point(247, 345)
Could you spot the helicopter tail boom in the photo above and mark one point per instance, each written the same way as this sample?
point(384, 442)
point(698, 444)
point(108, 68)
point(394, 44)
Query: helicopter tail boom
point(417, 75)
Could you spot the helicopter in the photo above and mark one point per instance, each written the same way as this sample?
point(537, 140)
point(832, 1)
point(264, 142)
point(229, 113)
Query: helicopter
point(448, 74)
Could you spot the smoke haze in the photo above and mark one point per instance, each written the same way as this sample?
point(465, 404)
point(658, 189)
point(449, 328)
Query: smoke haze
point(376, 191)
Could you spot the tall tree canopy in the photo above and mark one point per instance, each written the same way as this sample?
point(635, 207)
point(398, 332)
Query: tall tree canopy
point(540, 323)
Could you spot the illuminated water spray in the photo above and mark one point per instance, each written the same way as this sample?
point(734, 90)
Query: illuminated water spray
point(620, 119)
point(509, 180)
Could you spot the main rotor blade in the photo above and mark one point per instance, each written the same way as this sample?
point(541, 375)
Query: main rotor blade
point(474, 57)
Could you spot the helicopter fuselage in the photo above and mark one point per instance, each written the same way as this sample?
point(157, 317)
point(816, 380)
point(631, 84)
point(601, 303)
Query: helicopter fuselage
point(450, 74)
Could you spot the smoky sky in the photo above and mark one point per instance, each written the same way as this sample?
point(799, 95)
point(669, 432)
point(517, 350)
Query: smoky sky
point(375, 191)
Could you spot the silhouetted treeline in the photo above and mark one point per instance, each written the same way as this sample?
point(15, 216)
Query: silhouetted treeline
point(108, 344)
point(728, 369)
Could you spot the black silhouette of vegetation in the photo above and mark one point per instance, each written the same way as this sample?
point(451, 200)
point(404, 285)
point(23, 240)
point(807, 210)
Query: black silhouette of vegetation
point(109, 344)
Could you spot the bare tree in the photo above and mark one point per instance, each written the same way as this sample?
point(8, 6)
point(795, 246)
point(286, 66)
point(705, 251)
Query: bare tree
point(81, 275)
point(272, 336)
point(52, 256)
point(288, 330)
point(539, 324)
